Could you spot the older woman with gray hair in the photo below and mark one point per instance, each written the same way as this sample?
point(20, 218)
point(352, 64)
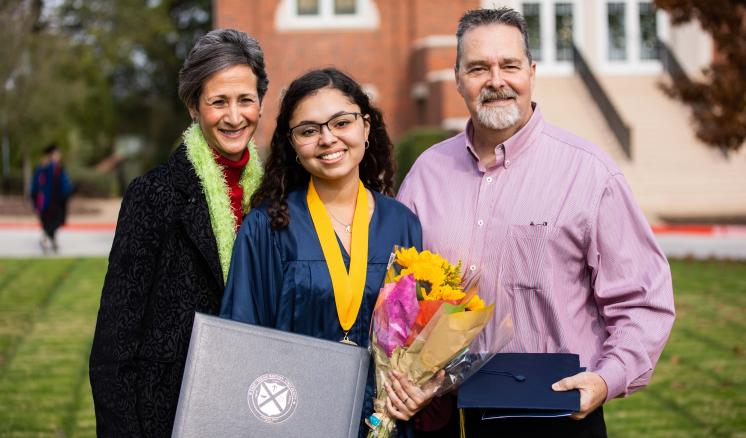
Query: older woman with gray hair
point(174, 240)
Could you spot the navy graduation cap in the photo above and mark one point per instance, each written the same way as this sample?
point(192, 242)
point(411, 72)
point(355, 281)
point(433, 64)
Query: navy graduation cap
point(520, 385)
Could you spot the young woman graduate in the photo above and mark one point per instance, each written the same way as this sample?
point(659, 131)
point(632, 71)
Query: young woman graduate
point(311, 255)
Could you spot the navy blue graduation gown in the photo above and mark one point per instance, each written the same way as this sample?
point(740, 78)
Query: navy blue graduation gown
point(279, 278)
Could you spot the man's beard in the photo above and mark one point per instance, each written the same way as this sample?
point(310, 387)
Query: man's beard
point(497, 117)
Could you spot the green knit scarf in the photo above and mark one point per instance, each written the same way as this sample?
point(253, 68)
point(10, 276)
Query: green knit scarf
point(216, 190)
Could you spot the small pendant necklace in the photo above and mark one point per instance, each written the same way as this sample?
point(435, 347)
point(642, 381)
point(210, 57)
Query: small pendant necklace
point(348, 227)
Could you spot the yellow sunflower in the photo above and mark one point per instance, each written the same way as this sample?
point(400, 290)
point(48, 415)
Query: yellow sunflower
point(475, 303)
point(447, 293)
point(424, 272)
point(444, 278)
point(406, 256)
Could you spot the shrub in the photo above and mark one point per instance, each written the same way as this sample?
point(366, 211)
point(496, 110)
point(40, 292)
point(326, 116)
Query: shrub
point(93, 184)
point(13, 184)
point(412, 145)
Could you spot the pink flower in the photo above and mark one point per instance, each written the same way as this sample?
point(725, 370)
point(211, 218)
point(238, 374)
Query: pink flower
point(397, 315)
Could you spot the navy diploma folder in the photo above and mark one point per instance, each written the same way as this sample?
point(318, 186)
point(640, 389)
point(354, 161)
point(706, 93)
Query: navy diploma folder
point(520, 385)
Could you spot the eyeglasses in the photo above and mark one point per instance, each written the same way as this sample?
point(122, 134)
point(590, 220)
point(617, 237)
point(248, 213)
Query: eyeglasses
point(308, 132)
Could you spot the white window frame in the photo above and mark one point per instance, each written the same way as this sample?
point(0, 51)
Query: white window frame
point(366, 16)
point(633, 64)
point(549, 65)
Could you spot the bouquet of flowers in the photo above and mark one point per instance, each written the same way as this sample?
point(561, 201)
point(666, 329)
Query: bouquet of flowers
point(427, 319)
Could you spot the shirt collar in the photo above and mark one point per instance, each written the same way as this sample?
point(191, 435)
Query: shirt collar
point(510, 149)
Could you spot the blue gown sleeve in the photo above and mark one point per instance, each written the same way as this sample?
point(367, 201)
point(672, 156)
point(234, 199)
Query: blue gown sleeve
point(255, 275)
point(66, 185)
point(34, 187)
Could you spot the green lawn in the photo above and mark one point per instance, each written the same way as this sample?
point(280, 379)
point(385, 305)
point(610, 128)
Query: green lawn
point(48, 309)
point(699, 385)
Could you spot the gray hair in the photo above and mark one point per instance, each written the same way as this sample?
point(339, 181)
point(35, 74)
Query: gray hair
point(483, 17)
point(215, 51)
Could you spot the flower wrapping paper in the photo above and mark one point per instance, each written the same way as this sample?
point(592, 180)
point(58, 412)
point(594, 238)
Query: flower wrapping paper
point(429, 318)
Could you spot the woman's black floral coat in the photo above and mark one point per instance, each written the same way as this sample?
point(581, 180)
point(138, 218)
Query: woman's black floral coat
point(163, 267)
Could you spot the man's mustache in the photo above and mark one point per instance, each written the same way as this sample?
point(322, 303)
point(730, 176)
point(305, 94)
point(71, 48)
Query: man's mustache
point(500, 93)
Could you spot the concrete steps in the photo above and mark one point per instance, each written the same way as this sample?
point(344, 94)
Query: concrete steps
point(672, 173)
point(565, 102)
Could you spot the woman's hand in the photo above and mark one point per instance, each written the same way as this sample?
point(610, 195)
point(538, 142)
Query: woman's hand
point(405, 399)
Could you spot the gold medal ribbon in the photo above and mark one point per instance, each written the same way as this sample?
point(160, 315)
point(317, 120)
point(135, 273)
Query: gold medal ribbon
point(348, 287)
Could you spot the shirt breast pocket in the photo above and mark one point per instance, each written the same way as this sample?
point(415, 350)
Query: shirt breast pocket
point(527, 265)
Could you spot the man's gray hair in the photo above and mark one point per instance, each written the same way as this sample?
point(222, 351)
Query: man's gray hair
point(483, 17)
point(215, 51)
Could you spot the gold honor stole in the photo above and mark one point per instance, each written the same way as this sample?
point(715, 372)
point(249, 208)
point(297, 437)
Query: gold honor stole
point(348, 287)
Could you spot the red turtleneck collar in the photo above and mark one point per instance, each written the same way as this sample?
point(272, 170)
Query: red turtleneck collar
point(232, 171)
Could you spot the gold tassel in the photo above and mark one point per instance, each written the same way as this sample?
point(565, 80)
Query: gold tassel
point(462, 422)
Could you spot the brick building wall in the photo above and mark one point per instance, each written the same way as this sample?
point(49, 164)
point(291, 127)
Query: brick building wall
point(406, 60)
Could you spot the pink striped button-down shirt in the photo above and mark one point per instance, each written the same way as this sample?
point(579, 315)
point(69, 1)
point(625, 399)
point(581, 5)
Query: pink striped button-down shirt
point(554, 226)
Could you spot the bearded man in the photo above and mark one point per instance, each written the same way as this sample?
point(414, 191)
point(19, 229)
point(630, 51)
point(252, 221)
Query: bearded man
point(548, 218)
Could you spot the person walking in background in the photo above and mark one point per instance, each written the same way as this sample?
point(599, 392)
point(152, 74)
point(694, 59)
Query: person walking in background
point(549, 218)
point(174, 240)
point(50, 190)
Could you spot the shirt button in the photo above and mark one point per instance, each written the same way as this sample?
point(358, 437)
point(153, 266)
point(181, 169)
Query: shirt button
point(507, 163)
point(473, 268)
point(480, 222)
point(489, 179)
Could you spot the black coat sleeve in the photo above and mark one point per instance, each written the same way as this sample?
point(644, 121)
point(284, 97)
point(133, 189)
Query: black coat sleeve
point(133, 264)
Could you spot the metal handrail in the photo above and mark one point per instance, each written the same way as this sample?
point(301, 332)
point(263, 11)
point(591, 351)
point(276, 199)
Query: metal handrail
point(621, 130)
point(673, 68)
point(670, 63)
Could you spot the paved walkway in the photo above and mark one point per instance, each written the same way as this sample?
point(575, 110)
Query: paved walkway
point(25, 242)
point(699, 247)
point(21, 240)
point(90, 232)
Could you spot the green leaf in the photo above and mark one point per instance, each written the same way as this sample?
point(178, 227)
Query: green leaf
point(450, 308)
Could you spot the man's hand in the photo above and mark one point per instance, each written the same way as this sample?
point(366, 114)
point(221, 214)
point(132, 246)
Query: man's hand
point(593, 391)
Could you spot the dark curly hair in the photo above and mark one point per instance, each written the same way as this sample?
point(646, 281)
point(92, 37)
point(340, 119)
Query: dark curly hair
point(284, 174)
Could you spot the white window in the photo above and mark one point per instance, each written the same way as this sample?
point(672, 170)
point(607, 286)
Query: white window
point(326, 14)
point(307, 7)
point(553, 27)
point(563, 31)
point(345, 7)
point(648, 31)
point(629, 33)
point(616, 38)
point(532, 14)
